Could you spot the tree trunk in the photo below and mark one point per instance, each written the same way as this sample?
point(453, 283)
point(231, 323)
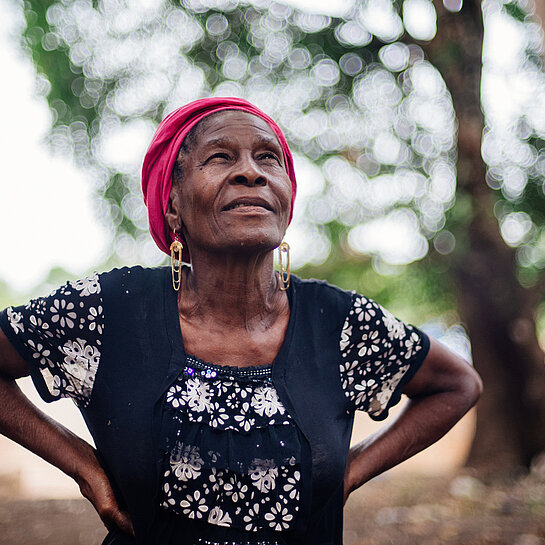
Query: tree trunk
point(539, 18)
point(497, 311)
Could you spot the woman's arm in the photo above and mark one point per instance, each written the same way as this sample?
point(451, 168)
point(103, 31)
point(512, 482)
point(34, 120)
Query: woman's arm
point(25, 424)
point(441, 392)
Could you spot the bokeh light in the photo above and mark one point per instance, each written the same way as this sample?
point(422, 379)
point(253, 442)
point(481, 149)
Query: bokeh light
point(371, 112)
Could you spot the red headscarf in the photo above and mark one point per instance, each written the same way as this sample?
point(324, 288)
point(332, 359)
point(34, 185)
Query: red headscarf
point(161, 156)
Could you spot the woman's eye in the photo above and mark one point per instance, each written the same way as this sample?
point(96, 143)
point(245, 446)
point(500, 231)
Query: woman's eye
point(269, 155)
point(219, 155)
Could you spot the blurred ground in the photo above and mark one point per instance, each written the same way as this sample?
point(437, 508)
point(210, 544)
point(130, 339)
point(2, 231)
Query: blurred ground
point(458, 509)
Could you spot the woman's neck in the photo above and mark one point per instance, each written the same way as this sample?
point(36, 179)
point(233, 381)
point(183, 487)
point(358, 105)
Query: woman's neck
point(237, 291)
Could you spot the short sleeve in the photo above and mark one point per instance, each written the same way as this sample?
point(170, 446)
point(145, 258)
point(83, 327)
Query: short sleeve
point(60, 338)
point(379, 355)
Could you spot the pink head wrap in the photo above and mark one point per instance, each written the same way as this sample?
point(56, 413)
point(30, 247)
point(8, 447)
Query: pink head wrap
point(163, 150)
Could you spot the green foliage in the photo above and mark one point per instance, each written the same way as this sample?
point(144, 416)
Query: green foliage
point(515, 10)
point(369, 110)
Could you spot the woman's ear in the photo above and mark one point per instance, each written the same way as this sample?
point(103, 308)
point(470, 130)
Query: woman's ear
point(173, 213)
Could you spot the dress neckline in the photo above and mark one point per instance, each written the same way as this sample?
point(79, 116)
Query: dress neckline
point(176, 336)
point(214, 370)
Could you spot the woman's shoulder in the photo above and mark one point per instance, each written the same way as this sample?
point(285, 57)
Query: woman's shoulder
point(134, 273)
point(119, 281)
point(318, 298)
point(316, 286)
point(322, 290)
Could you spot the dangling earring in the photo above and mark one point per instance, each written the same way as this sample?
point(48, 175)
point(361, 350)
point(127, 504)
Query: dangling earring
point(284, 272)
point(176, 262)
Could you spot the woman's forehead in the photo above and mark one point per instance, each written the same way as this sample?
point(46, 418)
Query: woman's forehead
point(230, 125)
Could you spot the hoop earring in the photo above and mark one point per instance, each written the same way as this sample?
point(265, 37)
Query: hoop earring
point(284, 272)
point(176, 262)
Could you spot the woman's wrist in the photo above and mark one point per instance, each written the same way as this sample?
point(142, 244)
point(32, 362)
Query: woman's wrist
point(352, 478)
point(86, 465)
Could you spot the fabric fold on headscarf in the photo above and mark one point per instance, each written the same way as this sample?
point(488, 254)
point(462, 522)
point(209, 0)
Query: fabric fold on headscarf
point(163, 151)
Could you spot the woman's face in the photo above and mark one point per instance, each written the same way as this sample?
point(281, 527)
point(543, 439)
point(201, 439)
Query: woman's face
point(235, 194)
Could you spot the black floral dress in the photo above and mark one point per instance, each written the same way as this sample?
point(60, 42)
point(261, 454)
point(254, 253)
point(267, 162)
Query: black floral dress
point(230, 465)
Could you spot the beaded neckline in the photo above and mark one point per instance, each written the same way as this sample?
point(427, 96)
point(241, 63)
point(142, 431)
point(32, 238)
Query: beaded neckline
point(195, 365)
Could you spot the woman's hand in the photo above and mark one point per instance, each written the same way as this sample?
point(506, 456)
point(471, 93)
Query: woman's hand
point(95, 486)
point(441, 392)
point(25, 424)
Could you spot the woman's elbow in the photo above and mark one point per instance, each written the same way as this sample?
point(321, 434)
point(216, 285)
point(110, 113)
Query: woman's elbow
point(471, 386)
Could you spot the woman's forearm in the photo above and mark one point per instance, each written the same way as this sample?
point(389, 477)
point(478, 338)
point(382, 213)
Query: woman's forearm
point(25, 424)
point(421, 423)
point(440, 393)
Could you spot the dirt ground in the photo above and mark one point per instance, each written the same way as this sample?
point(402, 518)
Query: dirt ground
point(460, 509)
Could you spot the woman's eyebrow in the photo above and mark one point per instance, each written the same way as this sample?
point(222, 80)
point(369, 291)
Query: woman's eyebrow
point(268, 141)
point(218, 142)
point(226, 141)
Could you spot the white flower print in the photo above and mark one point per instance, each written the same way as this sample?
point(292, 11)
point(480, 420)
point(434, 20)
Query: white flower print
point(412, 345)
point(67, 363)
point(186, 462)
point(388, 387)
point(63, 313)
point(244, 418)
point(81, 363)
point(235, 488)
point(15, 320)
point(88, 285)
point(239, 494)
point(216, 479)
point(53, 382)
point(396, 329)
point(194, 506)
point(41, 353)
point(375, 351)
point(225, 386)
point(263, 474)
point(346, 333)
point(265, 401)
point(291, 487)
point(174, 396)
point(279, 517)
point(369, 344)
point(383, 397)
point(245, 392)
point(197, 394)
point(38, 322)
point(168, 495)
point(81, 354)
point(94, 317)
point(232, 401)
point(219, 517)
point(365, 310)
point(348, 370)
point(252, 519)
point(365, 389)
point(218, 416)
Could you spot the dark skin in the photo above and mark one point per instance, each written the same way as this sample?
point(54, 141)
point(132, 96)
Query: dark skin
point(235, 201)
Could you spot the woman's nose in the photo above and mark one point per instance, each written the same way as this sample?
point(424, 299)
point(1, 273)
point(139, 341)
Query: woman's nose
point(247, 172)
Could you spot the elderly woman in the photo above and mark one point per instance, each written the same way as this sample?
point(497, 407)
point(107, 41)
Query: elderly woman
point(221, 396)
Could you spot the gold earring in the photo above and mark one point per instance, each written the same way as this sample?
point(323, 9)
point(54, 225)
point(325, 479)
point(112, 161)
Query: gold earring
point(284, 272)
point(176, 262)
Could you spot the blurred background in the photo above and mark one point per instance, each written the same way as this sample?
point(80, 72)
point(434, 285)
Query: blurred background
point(418, 129)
